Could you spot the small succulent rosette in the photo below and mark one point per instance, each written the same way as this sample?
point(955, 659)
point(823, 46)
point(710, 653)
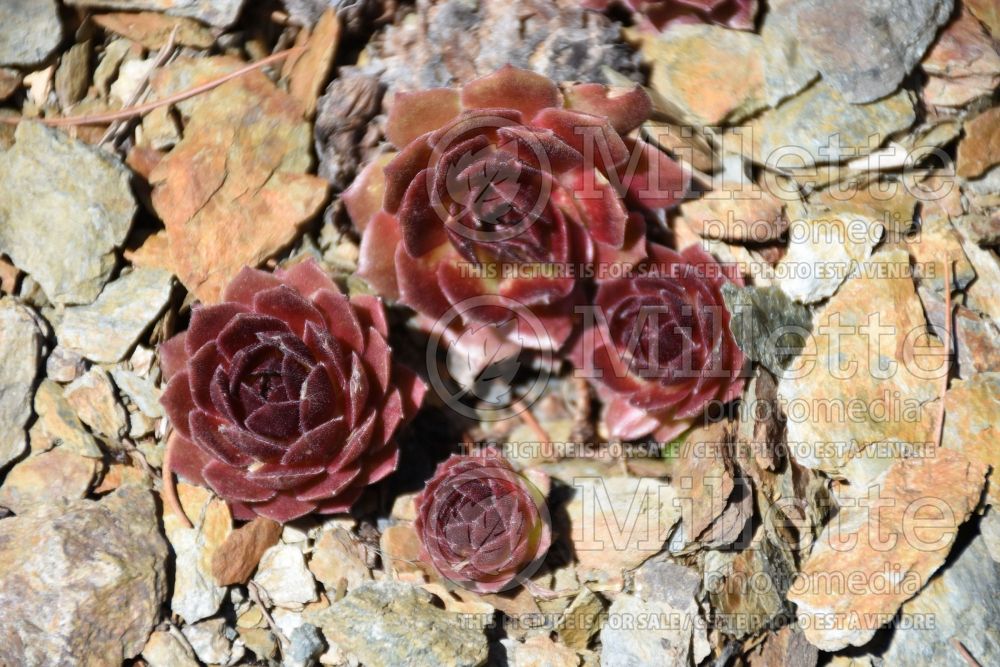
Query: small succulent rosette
point(658, 346)
point(658, 15)
point(507, 191)
point(482, 525)
point(284, 398)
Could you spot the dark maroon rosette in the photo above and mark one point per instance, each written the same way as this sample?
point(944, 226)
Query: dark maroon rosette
point(658, 15)
point(658, 344)
point(283, 398)
point(509, 190)
point(481, 524)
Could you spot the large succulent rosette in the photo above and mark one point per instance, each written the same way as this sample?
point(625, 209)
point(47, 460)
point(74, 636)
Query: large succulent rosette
point(658, 15)
point(283, 398)
point(481, 524)
point(507, 189)
point(658, 344)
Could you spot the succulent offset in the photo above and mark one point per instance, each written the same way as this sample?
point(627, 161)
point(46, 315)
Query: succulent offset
point(658, 344)
point(481, 524)
point(284, 398)
point(508, 189)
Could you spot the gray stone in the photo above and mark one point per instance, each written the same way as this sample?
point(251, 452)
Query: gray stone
point(768, 326)
point(141, 391)
point(20, 347)
point(392, 623)
point(639, 633)
point(65, 207)
point(964, 602)
point(214, 642)
point(865, 48)
point(29, 31)
point(820, 125)
point(307, 646)
point(81, 583)
point(215, 12)
point(105, 330)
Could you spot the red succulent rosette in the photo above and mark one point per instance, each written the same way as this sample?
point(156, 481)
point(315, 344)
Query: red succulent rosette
point(507, 188)
point(658, 343)
point(283, 398)
point(658, 15)
point(481, 524)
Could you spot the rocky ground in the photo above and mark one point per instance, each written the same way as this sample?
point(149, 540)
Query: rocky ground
point(715, 548)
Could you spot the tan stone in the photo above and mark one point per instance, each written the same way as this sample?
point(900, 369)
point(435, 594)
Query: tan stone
point(58, 425)
point(336, 557)
point(865, 374)
point(237, 557)
point(980, 149)
point(92, 396)
point(875, 556)
point(196, 595)
point(618, 522)
point(712, 73)
point(48, 477)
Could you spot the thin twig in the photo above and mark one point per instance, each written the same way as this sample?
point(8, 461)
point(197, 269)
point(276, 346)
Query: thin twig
point(125, 114)
point(531, 422)
point(140, 91)
point(254, 591)
point(170, 498)
point(947, 351)
point(964, 652)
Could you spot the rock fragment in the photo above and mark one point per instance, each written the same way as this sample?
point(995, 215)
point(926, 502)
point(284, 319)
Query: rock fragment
point(864, 48)
point(92, 396)
point(81, 583)
point(51, 476)
point(105, 330)
point(20, 347)
point(220, 13)
point(31, 31)
point(196, 595)
point(391, 623)
point(87, 218)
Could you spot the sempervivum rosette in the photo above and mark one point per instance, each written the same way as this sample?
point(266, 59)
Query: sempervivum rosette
point(656, 15)
point(658, 344)
point(283, 398)
point(507, 190)
point(481, 524)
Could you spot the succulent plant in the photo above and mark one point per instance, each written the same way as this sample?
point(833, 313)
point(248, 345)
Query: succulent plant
point(658, 15)
point(658, 345)
point(508, 173)
point(284, 398)
point(481, 524)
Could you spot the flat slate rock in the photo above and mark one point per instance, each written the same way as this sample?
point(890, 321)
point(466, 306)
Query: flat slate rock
point(65, 207)
point(865, 48)
point(29, 31)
